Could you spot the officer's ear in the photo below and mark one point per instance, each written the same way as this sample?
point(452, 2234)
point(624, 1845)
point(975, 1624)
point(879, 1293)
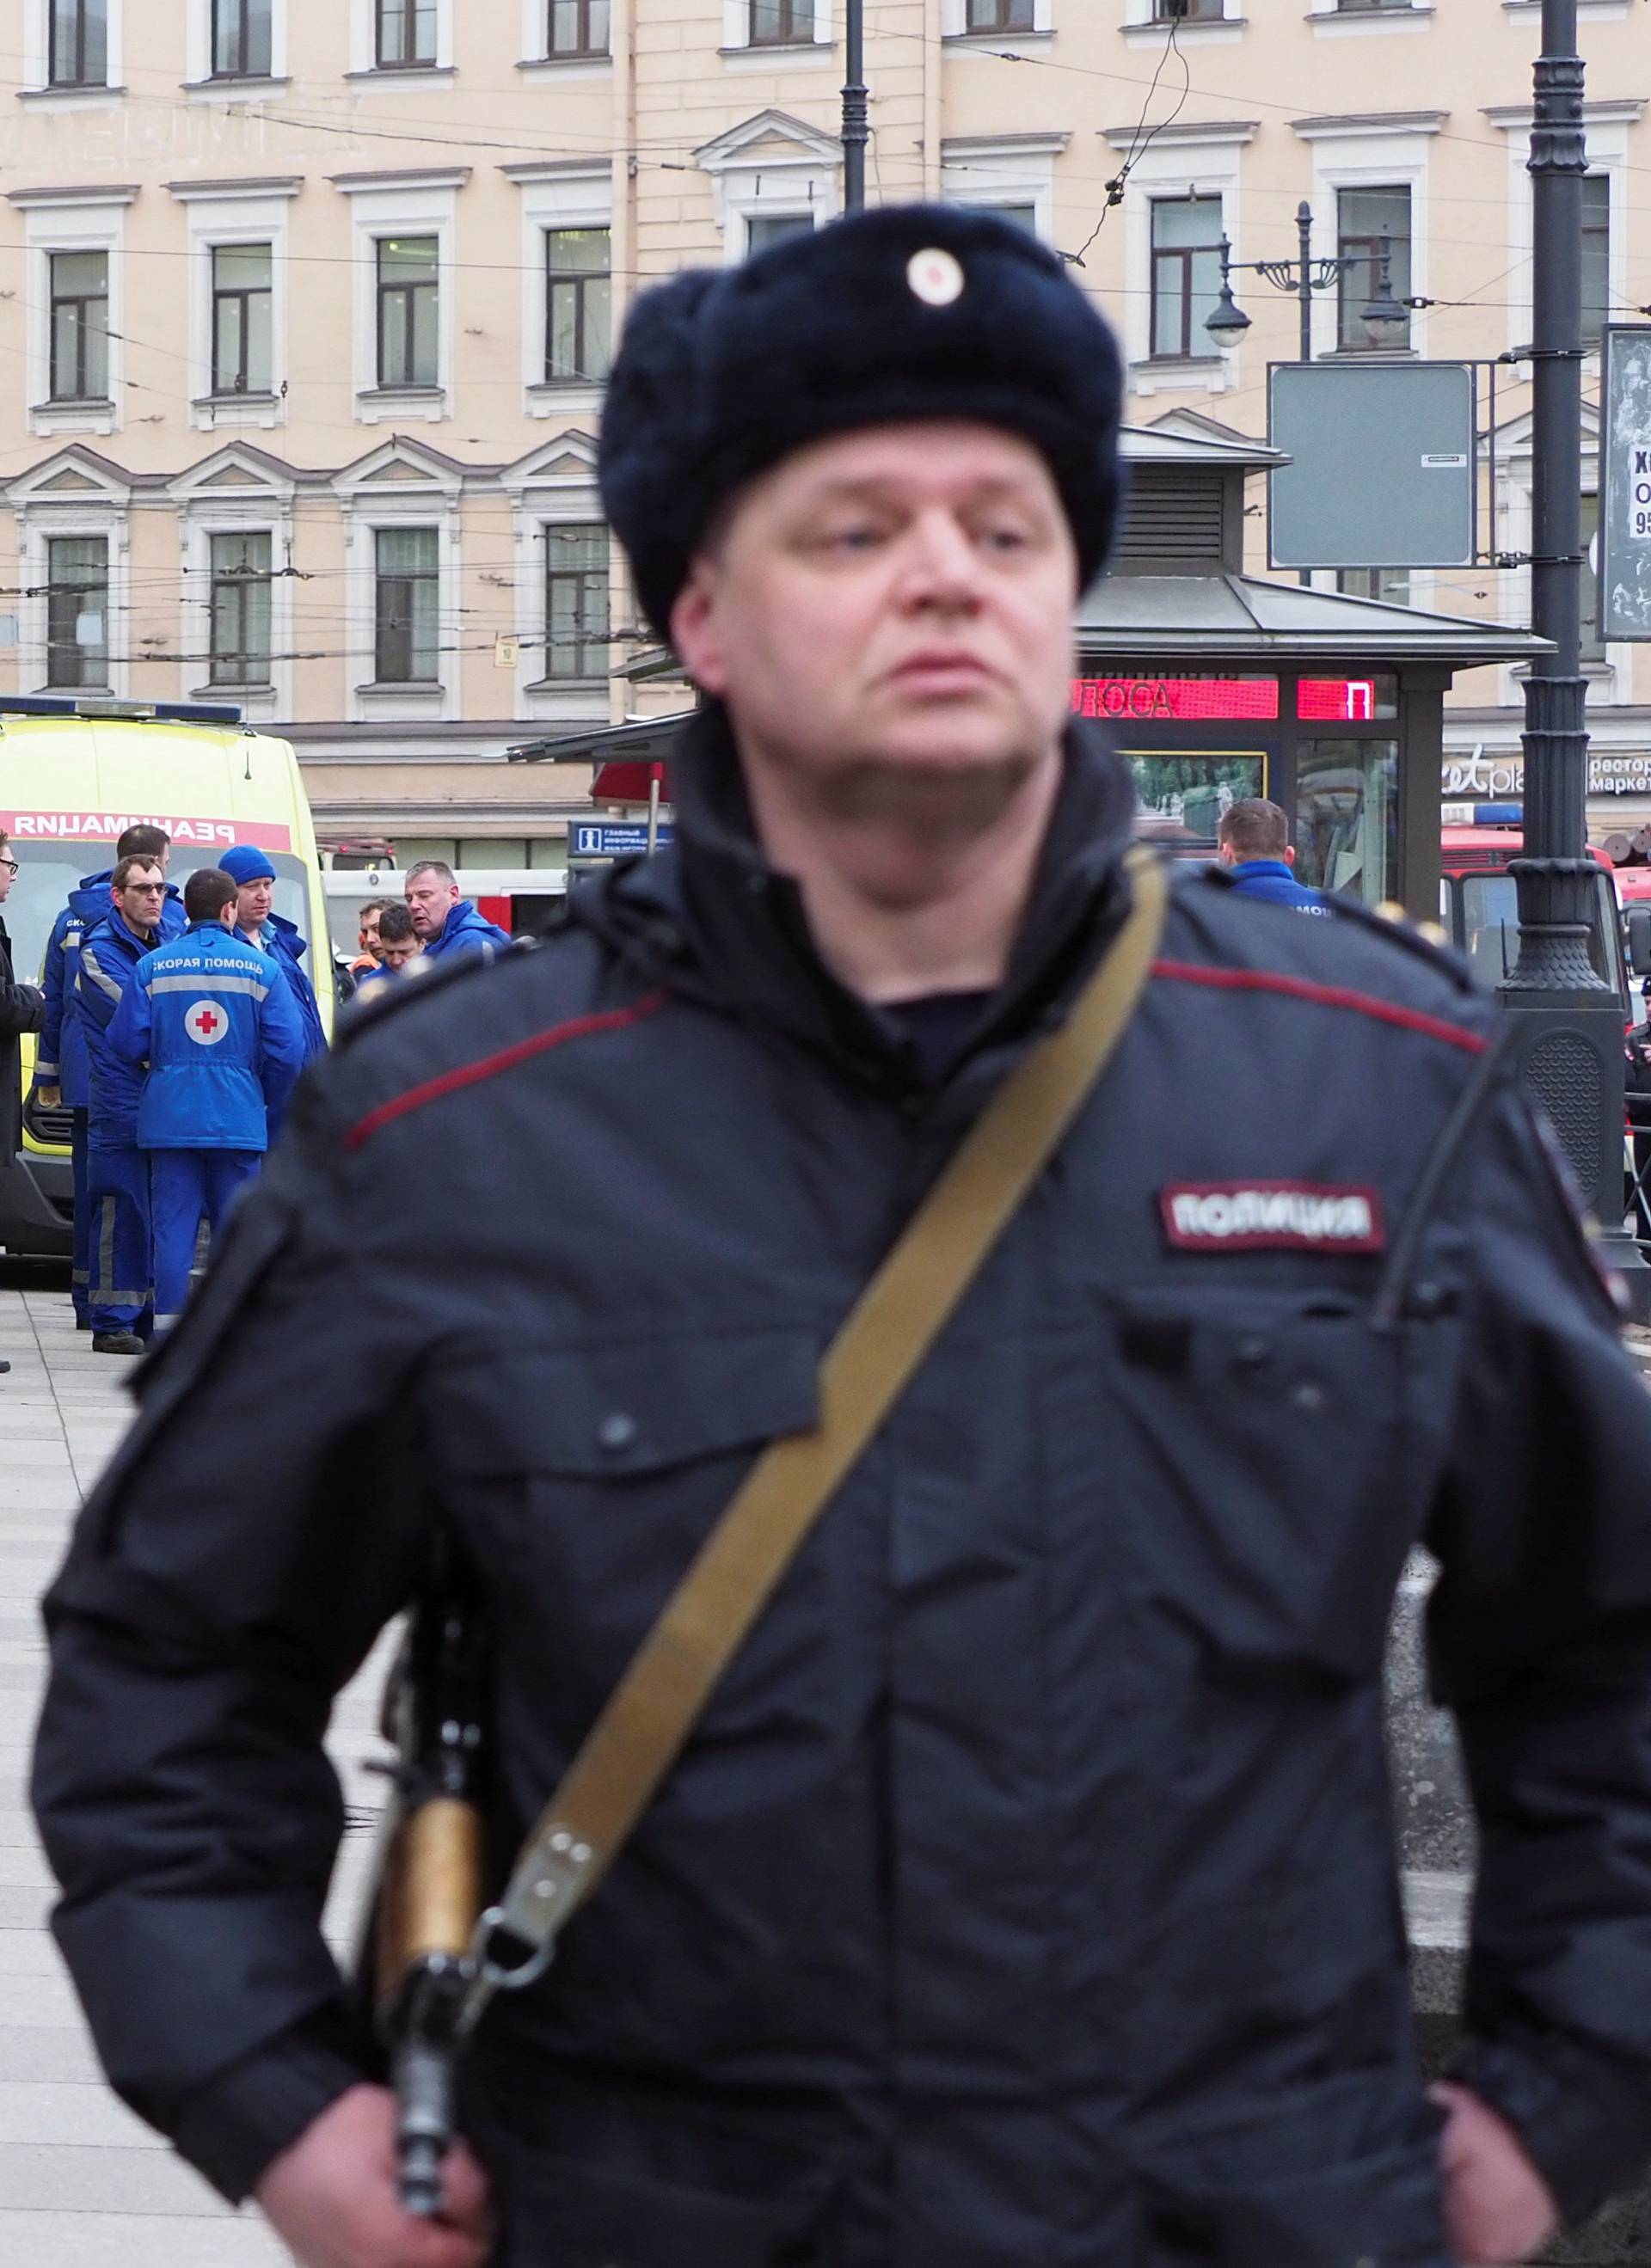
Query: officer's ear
point(695, 626)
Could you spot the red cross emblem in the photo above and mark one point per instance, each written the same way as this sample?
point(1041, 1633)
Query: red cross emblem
point(205, 1024)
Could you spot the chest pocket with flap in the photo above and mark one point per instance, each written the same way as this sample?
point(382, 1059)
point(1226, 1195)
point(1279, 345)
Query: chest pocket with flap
point(598, 1470)
point(1280, 1453)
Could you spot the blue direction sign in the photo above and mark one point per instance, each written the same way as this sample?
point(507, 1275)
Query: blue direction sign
point(613, 838)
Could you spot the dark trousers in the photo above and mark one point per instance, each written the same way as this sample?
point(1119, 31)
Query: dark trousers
point(188, 1187)
point(80, 1278)
point(120, 1291)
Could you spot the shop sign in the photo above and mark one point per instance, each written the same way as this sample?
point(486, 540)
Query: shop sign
point(1480, 778)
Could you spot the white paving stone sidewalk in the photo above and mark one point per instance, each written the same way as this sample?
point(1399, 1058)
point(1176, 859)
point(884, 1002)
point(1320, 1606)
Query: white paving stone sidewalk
point(82, 2183)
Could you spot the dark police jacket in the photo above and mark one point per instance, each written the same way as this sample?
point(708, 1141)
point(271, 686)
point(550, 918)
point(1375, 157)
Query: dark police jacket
point(1028, 1893)
point(22, 1009)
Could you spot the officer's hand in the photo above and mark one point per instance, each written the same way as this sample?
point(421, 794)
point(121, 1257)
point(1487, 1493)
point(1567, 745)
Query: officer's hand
point(1497, 2205)
point(331, 2198)
point(50, 1098)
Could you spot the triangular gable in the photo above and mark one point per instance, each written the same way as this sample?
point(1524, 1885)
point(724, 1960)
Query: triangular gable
point(401, 463)
point(568, 460)
point(769, 137)
point(234, 466)
point(74, 474)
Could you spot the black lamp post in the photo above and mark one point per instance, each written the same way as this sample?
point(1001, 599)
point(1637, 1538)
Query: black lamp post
point(856, 129)
point(1382, 314)
point(1568, 1021)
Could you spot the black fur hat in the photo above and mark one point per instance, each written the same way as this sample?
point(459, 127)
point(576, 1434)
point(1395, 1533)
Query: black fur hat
point(904, 312)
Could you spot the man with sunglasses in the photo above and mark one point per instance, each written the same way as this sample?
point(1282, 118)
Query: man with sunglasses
point(22, 1008)
point(122, 1290)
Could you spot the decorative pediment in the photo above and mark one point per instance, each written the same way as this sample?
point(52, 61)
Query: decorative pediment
point(567, 461)
point(401, 466)
point(237, 470)
point(772, 138)
point(71, 476)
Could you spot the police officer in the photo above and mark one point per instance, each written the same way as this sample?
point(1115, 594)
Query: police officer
point(1253, 843)
point(1027, 1892)
point(120, 1291)
point(213, 1020)
point(257, 922)
point(61, 1073)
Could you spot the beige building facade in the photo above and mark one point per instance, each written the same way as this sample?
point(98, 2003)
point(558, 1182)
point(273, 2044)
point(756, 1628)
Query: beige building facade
point(307, 311)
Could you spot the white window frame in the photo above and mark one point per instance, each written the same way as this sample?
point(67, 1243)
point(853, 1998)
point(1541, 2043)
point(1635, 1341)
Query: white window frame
point(364, 41)
point(37, 60)
point(1203, 157)
point(1606, 126)
point(105, 511)
point(954, 24)
point(198, 55)
point(1143, 29)
point(1004, 169)
point(572, 193)
point(736, 33)
point(803, 185)
point(72, 220)
point(1367, 154)
point(405, 205)
point(223, 213)
point(262, 502)
point(1327, 18)
point(536, 64)
point(553, 487)
point(432, 499)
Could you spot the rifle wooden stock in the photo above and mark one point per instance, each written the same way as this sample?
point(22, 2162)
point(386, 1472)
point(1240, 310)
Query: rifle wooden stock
point(430, 1893)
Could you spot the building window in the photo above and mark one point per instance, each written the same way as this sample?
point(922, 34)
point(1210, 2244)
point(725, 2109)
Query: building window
point(1392, 584)
point(241, 39)
point(578, 304)
point(242, 279)
point(407, 566)
point(781, 23)
point(1595, 256)
point(1364, 219)
point(576, 601)
point(1195, 11)
point(1000, 16)
point(576, 27)
point(78, 44)
point(1367, 7)
point(1186, 274)
point(80, 326)
point(408, 333)
point(1017, 216)
point(240, 587)
point(405, 34)
point(764, 229)
point(78, 610)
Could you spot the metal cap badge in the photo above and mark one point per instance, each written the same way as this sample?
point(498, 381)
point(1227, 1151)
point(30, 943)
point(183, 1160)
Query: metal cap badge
point(935, 276)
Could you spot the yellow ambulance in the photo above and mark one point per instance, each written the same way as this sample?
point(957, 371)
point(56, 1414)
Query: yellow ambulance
point(75, 772)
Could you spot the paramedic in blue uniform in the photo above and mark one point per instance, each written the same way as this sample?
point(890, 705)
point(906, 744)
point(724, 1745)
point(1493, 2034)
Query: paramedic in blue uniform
point(258, 923)
point(122, 1289)
point(1254, 843)
point(213, 1019)
point(61, 1071)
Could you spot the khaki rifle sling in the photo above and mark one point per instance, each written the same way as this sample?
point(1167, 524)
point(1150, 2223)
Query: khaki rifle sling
point(670, 1679)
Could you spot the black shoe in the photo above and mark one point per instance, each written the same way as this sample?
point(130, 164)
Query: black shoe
point(4, 1365)
point(116, 1343)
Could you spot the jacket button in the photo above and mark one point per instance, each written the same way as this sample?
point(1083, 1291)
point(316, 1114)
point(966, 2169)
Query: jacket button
point(1251, 1353)
point(617, 1433)
point(1309, 1395)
